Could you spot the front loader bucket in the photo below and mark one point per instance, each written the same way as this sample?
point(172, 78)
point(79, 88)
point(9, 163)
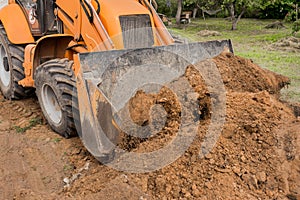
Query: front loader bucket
point(107, 80)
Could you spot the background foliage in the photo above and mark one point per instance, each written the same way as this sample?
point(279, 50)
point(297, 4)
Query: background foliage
point(264, 9)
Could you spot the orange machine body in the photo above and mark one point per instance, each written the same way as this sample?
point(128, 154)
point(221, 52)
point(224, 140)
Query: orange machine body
point(87, 26)
point(16, 24)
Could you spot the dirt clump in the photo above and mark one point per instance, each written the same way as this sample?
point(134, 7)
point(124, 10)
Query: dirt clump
point(256, 155)
point(207, 33)
point(242, 75)
point(290, 44)
point(296, 108)
point(276, 25)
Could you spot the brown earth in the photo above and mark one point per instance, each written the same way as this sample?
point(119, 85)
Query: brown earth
point(255, 157)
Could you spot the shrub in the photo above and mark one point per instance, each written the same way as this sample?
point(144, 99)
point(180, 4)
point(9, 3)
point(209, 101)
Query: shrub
point(296, 26)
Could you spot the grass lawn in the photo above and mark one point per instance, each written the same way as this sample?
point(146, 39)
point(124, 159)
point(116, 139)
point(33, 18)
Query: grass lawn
point(252, 40)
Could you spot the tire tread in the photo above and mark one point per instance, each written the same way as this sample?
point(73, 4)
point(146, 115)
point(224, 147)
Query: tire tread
point(60, 70)
point(16, 53)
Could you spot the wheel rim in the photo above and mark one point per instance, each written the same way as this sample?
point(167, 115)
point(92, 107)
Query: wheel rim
point(4, 69)
point(51, 105)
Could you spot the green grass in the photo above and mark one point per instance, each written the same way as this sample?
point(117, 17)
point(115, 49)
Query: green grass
point(56, 140)
point(33, 122)
point(68, 167)
point(252, 41)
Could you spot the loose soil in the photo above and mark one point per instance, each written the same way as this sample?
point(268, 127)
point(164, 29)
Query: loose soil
point(255, 157)
point(207, 33)
point(275, 25)
point(290, 44)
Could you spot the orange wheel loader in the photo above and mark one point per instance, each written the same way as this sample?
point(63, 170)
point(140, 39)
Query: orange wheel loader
point(65, 50)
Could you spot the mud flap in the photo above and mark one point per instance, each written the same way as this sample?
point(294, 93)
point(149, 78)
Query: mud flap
point(107, 80)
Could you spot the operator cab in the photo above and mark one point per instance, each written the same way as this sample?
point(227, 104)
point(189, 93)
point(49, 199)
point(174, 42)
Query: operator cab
point(40, 16)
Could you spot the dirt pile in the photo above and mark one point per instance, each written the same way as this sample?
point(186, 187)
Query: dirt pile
point(276, 25)
point(207, 33)
point(255, 157)
point(290, 44)
point(242, 165)
point(247, 160)
point(242, 75)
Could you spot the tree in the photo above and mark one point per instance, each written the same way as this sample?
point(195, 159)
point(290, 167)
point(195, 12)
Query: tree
point(275, 9)
point(179, 10)
point(165, 6)
point(210, 7)
point(236, 9)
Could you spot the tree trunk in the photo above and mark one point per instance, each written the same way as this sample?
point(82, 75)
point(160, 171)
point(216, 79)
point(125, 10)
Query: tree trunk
point(178, 14)
point(195, 12)
point(236, 20)
point(297, 11)
point(231, 11)
point(234, 25)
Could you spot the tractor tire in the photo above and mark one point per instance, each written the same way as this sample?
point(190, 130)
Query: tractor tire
point(57, 94)
point(11, 68)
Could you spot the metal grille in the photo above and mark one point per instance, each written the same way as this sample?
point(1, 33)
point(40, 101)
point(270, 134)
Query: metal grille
point(137, 31)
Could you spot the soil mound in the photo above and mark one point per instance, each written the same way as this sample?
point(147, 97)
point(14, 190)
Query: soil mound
point(275, 25)
point(207, 33)
point(242, 165)
point(238, 74)
point(245, 163)
point(242, 75)
point(290, 44)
